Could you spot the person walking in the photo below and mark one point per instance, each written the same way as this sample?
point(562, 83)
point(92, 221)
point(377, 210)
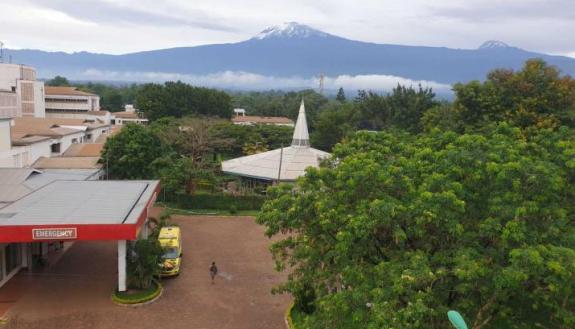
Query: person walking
point(213, 271)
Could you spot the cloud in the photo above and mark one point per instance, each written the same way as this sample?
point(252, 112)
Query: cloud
point(496, 10)
point(127, 14)
point(252, 81)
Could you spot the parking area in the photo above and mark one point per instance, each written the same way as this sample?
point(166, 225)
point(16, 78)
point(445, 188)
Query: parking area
point(75, 292)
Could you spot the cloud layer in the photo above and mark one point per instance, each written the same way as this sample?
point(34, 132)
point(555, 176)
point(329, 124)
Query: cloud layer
point(251, 81)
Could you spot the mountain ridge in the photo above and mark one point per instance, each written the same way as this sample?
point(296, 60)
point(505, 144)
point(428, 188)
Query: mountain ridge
point(291, 50)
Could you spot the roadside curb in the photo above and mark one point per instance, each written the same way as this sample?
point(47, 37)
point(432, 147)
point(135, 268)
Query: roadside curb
point(142, 303)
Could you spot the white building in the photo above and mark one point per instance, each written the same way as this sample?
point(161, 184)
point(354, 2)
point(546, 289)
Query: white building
point(129, 115)
point(20, 92)
point(69, 100)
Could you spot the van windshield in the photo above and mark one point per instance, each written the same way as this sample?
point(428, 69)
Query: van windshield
point(171, 253)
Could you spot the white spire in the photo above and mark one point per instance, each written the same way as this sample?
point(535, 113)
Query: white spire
point(300, 134)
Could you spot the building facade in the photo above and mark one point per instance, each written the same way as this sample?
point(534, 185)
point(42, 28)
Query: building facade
point(68, 100)
point(20, 93)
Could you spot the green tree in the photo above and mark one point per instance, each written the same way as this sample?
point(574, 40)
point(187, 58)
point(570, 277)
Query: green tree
point(178, 99)
point(333, 124)
point(142, 261)
point(340, 97)
point(398, 229)
point(536, 96)
point(402, 108)
point(130, 153)
point(58, 81)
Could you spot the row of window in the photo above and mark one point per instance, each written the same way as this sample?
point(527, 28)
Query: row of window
point(66, 100)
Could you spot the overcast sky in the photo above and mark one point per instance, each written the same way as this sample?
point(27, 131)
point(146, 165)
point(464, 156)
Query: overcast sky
point(120, 26)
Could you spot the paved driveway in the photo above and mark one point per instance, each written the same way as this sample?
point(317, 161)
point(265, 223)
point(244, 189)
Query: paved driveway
point(75, 292)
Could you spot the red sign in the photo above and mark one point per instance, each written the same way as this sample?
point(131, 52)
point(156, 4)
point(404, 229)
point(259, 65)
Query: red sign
point(54, 233)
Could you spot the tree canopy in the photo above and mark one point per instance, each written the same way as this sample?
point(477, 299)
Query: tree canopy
point(178, 99)
point(398, 229)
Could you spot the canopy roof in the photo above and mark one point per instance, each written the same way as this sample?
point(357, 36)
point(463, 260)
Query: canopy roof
point(294, 159)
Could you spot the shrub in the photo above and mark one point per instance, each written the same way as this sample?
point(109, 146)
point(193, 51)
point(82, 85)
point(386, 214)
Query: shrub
point(219, 201)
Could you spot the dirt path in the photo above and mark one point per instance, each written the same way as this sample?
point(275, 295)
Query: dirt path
point(75, 292)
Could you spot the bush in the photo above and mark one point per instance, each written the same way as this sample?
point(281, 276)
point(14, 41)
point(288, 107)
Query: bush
point(219, 201)
point(142, 262)
point(233, 210)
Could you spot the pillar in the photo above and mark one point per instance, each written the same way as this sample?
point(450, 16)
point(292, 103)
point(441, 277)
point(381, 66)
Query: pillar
point(25, 249)
point(122, 265)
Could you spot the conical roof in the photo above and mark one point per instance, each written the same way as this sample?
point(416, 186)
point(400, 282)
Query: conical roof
point(300, 133)
point(285, 164)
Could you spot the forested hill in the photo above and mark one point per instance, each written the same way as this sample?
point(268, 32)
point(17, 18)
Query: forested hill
point(291, 50)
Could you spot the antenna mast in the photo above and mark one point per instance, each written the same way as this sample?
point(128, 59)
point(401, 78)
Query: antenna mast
point(321, 82)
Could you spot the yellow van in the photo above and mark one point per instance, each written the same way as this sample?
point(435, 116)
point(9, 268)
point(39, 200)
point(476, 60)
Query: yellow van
point(171, 241)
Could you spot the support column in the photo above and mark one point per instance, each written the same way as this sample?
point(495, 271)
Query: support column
point(144, 233)
point(25, 248)
point(122, 265)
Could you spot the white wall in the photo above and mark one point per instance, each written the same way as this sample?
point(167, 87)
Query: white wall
point(25, 156)
point(66, 141)
point(5, 141)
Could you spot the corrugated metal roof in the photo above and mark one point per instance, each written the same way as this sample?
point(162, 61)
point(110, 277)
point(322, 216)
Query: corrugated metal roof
point(67, 163)
point(15, 183)
point(80, 202)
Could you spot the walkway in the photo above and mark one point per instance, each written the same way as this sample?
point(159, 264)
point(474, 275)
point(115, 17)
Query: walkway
point(75, 292)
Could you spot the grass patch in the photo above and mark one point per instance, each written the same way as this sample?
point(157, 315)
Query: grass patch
point(294, 318)
point(133, 296)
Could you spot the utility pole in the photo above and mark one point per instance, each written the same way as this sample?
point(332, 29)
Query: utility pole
point(281, 160)
point(321, 82)
point(1, 52)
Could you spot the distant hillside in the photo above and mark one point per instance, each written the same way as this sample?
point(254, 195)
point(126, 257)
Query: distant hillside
point(290, 50)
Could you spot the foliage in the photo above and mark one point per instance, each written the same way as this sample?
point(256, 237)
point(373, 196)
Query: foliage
point(412, 226)
point(536, 96)
point(219, 201)
point(334, 123)
point(178, 99)
point(340, 97)
point(112, 97)
point(130, 153)
point(58, 81)
point(142, 261)
point(237, 140)
point(403, 108)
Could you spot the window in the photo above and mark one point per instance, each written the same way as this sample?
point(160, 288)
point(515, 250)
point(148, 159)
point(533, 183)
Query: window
point(74, 140)
point(55, 148)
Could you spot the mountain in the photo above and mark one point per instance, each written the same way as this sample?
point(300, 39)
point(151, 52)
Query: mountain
point(287, 51)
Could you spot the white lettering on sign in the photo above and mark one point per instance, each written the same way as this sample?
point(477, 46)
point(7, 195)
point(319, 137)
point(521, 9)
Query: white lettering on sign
point(54, 233)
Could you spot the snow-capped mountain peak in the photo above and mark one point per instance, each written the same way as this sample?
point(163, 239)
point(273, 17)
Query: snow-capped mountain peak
point(289, 30)
point(491, 44)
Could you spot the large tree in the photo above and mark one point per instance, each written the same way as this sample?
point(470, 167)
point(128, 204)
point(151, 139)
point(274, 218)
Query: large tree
point(130, 153)
point(535, 96)
point(178, 99)
point(398, 229)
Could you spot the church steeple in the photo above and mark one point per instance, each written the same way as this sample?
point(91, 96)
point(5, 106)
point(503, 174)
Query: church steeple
point(300, 134)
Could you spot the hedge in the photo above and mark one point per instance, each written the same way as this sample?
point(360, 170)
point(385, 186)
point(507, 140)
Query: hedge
point(219, 201)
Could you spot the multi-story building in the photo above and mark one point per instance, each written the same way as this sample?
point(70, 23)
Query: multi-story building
point(69, 100)
point(20, 92)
